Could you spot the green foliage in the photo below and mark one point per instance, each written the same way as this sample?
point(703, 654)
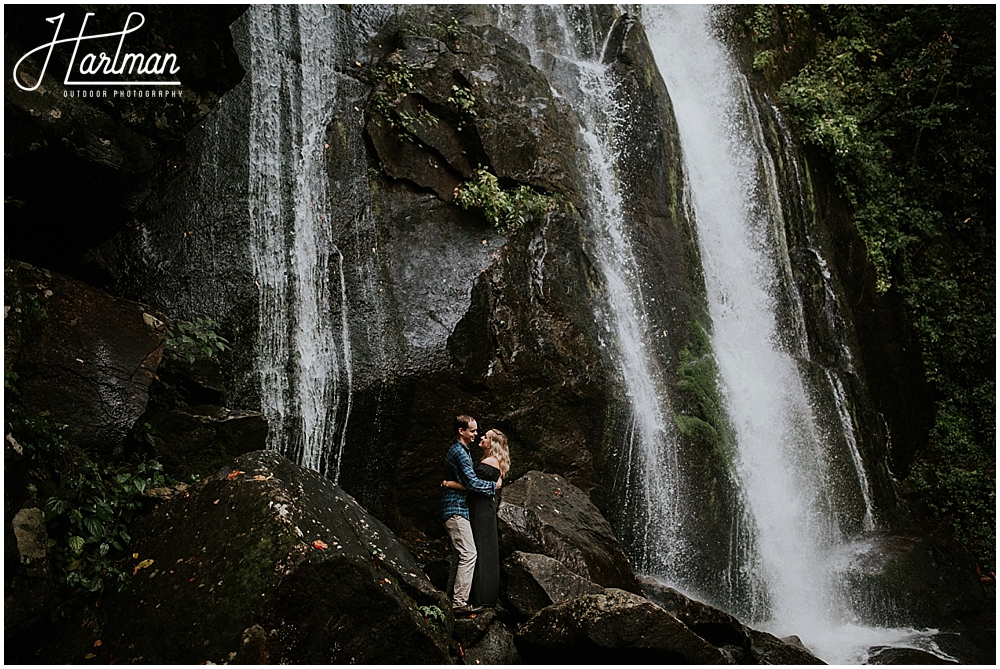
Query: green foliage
point(88, 505)
point(434, 617)
point(507, 210)
point(446, 32)
point(87, 521)
point(902, 99)
point(186, 339)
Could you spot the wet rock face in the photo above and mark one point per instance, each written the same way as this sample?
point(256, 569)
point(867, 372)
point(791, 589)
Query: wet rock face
point(441, 109)
point(75, 165)
point(739, 643)
point(85, 358)
point(269, 560)
point(917, 580)
point(544, 513)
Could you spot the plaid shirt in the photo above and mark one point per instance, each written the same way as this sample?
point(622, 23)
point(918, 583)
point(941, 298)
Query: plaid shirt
point(458, 467)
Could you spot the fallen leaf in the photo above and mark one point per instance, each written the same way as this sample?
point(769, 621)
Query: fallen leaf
point(259, 477)
point(472, 616)
point(233, 474)
point(321, 545)
point(89, 656)
point(97, 644)
point(135, 556)
point(142, 565)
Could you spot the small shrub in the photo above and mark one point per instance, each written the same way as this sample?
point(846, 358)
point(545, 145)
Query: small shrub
point(507, 210)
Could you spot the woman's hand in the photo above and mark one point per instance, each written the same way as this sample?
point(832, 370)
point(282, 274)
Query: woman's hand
point(454, 485)
point(499, 482)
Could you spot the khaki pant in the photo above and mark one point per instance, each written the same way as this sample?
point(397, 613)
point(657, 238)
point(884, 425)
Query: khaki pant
point(462, 569)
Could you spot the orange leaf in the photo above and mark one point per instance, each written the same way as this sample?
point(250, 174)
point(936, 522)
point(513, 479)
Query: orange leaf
point(320, 544)
point(233, 474)
point(97, 644)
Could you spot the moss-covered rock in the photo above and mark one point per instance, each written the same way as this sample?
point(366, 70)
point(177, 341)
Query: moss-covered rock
point(269, 544)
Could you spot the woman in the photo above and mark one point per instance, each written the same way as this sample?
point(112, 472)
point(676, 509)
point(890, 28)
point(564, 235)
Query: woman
point(483, 515)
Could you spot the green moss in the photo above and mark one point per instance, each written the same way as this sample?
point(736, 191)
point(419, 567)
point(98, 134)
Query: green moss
point(699, 381)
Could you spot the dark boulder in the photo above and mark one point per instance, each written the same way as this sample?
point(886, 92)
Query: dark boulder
point(495, 646)
point(740, 643)
point(267, 561)
point(198, 440)
point(83, 358)
point(545, 513)
point(613, 627)
point(916, 580)
point(535, 581)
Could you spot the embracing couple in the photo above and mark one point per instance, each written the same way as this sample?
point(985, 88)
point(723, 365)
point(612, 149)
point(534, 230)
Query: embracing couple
point(470, 515)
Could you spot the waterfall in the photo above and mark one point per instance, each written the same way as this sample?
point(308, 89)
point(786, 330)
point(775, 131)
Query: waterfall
point(304, 353)
point(562, 42)
point(759, 341)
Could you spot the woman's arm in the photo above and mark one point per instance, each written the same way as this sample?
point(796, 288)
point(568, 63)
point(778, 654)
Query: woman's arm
point(454, 485)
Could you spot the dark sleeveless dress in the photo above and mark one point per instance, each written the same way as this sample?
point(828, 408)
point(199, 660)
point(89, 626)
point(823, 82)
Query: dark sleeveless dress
point(483, 515)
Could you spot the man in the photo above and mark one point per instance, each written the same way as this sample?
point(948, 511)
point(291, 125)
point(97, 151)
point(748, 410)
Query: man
point(455, 511)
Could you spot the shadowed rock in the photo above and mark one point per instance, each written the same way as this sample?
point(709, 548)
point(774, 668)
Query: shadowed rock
point(612, 627)
point(199, 440)
point(545, 513)
point(535, 581)
point(82, 356)
point(496, 646)
point(740, 643)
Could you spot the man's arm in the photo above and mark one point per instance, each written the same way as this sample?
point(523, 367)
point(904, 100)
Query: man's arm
point(467, 476)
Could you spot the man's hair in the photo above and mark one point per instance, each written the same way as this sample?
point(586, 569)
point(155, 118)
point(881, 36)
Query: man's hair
point(462, 422)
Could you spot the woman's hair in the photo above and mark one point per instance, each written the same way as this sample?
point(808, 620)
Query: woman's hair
point(498, 449)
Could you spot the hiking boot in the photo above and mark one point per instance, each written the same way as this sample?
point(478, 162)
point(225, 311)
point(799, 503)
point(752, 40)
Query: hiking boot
point(466, 610)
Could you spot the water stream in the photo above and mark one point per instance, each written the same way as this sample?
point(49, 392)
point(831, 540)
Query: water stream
point(304, 353)
point(783, 463)
point(562, 43)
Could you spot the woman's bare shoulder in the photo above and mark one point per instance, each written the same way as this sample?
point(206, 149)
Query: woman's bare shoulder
point(491, 461)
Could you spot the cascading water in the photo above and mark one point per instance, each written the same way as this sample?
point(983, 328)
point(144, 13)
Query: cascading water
point(304, 353)
point(783, 462)
point(562, 42)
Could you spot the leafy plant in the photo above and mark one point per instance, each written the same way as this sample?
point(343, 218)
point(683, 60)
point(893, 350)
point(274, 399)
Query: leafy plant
point(434, 617)
point(463, 98)
point(507, 210)
point(901, 99)
point(87, 522)
point(186, 339)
